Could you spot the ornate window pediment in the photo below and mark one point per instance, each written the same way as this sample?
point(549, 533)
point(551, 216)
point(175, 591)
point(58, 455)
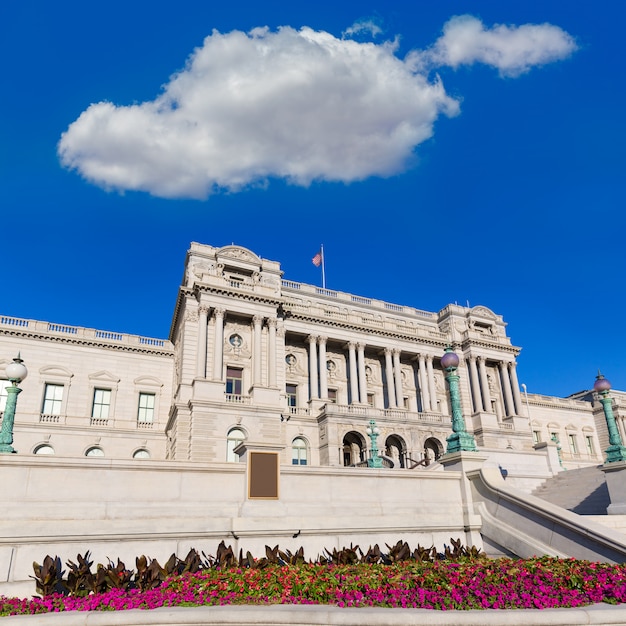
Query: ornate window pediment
point(148, 381)
point(104, 376)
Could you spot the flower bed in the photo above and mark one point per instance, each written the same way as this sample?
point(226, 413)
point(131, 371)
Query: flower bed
point(476, 584)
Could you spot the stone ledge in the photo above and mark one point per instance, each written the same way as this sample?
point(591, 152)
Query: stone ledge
point(310, 615)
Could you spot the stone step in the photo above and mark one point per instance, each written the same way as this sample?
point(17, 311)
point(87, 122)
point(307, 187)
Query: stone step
point(581, 491)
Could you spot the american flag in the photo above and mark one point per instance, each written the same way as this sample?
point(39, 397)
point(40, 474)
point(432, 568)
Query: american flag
point(317, 259)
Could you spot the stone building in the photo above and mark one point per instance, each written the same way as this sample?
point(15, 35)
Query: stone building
point(249, 425)
point(254, 357)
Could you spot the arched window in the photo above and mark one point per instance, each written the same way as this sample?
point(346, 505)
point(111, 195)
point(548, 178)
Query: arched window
point(142, 453)
point(234, 438)
point(353, 448)
point(94, 451)
point(433, 449)
point(396, 450)
point(44, 449)
point(298, 451)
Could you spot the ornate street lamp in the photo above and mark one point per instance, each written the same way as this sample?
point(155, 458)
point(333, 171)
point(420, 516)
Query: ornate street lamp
point(616, 451)
point(460, 440)
point(373, 431)
point(16, 372)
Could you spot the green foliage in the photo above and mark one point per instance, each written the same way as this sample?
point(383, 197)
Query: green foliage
point(49, 576)
point(150, 574)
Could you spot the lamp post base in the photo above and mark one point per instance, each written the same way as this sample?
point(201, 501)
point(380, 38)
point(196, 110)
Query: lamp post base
point(461, 442)
point(7, 448)
point(615, 453)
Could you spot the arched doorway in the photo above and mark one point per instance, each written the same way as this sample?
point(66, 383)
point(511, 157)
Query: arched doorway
point(353, 448)
point(433, 449)
point(395, 449)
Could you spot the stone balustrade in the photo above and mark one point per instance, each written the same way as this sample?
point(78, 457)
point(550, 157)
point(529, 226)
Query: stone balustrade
point(89, 335)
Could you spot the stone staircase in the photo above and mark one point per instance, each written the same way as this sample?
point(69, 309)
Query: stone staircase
point(581, 491)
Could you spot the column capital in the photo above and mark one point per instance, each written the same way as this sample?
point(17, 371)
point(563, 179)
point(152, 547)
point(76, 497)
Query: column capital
point(351, 345)
point(203, 309)
point(219, 312)
point(387, 351)
point(312, 339)
point(272, 322)
point(321, 339)
point(257, 320)
point(360, 345)
point(396, 351)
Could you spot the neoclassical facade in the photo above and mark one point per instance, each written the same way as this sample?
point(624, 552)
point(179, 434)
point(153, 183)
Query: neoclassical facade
point(254, 357)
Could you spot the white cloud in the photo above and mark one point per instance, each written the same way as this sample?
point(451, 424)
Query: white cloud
point(366, 26)
point(301, 105)
point(512, 49)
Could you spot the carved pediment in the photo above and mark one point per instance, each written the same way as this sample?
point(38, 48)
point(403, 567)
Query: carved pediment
point(104, 376)
point(148, 381)
point(483, 311)
point(238, 253)
point(55, 370)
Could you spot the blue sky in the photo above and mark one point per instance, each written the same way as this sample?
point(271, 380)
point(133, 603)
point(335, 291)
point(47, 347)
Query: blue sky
point(515, 200)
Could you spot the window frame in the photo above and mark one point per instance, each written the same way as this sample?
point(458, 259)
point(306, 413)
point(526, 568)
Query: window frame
point(299, 454)
point(233, 442)
point(291, 392)
point(101, 405)
point(232, 380)
point(58, 404)
point(146, 394)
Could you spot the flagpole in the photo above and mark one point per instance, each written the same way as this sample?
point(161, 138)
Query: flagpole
point(323, 267)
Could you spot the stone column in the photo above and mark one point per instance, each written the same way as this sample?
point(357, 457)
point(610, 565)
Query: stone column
point(354, 389)
point(323, 369)
point(516, 393)
point(391, 391)
point(257, 320)
point(431, 383)
point(476, 399)
point(423, 383)
point(203, 312)
point(484, 383)
point(271, 351)
point(506, 388)
point(312, 339)
point(397, 371)
point(360, 349)
point(218, 350)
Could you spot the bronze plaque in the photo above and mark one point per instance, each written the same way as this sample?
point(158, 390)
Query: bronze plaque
point(263, 475)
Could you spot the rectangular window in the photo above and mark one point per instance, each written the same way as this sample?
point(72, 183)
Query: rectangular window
point(536, 436)
point(572, 444)
point(145, 414)
point(3, 393)
point(405, 403)
point(589, 442)
point(292, 396)
point(234, 381)
point(370, 399)
point(52, 399)
point(101, 403)
point(332, 395)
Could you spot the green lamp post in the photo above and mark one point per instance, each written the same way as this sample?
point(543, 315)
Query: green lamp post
point(373, 431)
point(16, 372)
point(460, 440)
point(616, 451)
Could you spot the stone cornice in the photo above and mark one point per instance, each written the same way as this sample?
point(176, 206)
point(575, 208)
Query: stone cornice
point(489, 344)
point(108, 340)
point(362, 328)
